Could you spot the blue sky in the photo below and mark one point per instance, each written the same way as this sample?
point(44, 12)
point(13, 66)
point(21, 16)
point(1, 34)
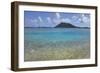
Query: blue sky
point(51, 19)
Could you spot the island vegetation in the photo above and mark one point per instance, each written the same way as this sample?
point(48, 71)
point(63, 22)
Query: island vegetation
point(68, 25)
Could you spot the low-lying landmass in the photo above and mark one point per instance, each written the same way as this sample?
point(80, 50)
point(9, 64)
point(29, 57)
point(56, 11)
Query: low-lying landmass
point(62, 25)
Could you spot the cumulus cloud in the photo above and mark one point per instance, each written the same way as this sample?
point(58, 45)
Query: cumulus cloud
point(85, 19)
point(40, 19)
point(57, 21)
point(30, 22)
point(58, 15)
point(74, 17)
point(82, 18)
point(67, 20)
point(79, 20)
point(34, 20)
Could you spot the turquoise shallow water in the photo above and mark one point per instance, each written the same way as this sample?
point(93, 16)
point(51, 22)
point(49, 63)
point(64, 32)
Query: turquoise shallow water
point(53, 41)
point(56, 34)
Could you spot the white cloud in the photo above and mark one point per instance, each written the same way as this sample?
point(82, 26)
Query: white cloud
point(30, 22)
point(74, 17)
point(58, 15)
point(66, 20)
point(85, 19)
point(57, 21)
point(40, 19)
point(34, 20)
point(80, 19)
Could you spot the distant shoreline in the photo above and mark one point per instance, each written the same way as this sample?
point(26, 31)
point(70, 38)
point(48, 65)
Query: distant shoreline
point(60, 27)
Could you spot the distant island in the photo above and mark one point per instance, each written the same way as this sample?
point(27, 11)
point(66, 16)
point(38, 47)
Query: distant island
point(62, 25)
point(67, 25)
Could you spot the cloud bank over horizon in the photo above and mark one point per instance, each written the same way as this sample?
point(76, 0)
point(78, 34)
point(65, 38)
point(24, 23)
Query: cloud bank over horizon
point(51, 19)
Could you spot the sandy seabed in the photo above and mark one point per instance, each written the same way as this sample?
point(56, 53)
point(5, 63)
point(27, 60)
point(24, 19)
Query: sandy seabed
point(55, 50)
